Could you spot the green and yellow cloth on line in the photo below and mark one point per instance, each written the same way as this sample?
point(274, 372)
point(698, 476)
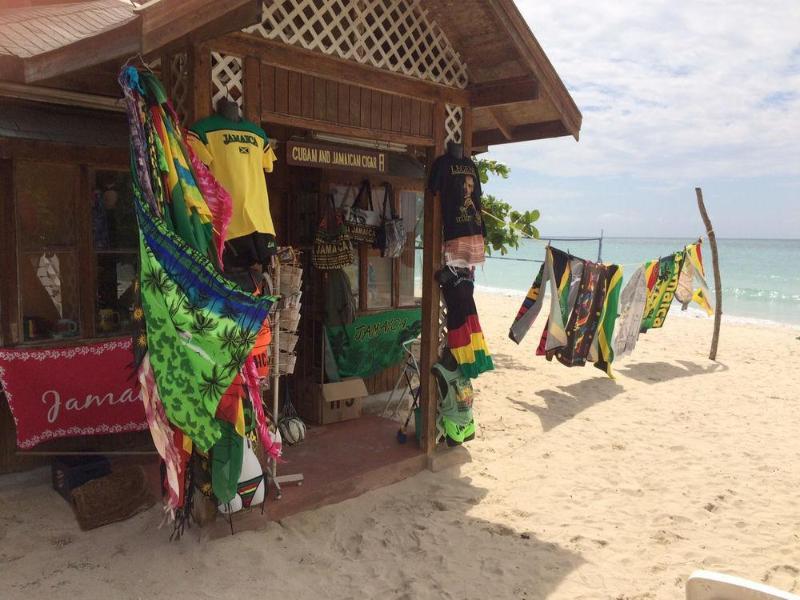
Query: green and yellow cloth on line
point(583, 310)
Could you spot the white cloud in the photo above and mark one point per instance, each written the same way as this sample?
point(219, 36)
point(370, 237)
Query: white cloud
point(672, 91)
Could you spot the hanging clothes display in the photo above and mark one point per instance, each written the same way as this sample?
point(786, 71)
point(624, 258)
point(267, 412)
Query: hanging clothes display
point(464, 334)
point(631, 310)
point(646, 299)
point(584, 318)
point(557, 272)
point(662, 281)
point(584, 298)
point(238, 153)
point(455, 421)
point(458, 185)
point(602, 352)
point(197, 328)
point(693, 271)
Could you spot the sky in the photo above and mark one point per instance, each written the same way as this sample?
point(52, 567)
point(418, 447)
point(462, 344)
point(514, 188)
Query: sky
point(674, 94)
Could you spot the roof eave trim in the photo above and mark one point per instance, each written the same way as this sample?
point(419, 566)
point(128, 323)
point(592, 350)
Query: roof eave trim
point(155, 26)
point(536, 59)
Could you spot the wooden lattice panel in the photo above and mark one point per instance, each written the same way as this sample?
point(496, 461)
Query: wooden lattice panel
point(442, 330)
point(397, 35)
point(226, 78)
point(453, 123)
point(179, 84)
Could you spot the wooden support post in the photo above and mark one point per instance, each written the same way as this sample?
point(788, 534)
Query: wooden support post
point(200, 82)
point(467, 127)
point(10, 330)
point(712, 241)
point(252, 89)
point(431, 293)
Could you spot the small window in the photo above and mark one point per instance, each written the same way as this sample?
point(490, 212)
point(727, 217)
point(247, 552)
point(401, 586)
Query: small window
point(115, 242)
point(379, 280)
point(48, 261)
point(379, 268)
point(410, 278)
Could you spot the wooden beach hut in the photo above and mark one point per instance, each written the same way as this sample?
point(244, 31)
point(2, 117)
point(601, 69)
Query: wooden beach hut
point(390, 81)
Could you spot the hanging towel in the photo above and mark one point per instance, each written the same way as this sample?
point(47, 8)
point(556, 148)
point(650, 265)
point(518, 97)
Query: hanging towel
point(692, 272)
point(602, 352)
point(568, 286)
point(584, 302)
point(662, 281)
point(631, 305)
point(585, 318)
point(556, 272)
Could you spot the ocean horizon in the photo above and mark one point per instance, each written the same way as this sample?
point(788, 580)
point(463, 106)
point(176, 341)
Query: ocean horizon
point(760, 278)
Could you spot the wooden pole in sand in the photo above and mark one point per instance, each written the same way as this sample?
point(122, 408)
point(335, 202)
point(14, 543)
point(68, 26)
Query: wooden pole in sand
point(712, 240)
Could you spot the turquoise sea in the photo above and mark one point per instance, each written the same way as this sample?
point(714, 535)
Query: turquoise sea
point(760, 278)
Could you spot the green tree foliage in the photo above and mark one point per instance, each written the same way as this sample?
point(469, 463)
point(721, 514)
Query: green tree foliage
point(504, 226)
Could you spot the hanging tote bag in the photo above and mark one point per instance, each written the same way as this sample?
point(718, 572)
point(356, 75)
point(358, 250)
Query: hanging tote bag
point(362, 220)
point(392, 234)
point(332, 247)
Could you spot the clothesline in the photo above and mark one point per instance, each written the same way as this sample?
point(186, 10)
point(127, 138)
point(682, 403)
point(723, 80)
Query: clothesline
point(533, 260)
point(541, 239)
point(547, 240)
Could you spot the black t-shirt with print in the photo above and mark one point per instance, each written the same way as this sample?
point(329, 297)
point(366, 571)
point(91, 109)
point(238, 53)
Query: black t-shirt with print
point(457, 183)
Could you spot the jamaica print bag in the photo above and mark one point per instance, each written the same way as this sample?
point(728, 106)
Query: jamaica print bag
point(332, 246)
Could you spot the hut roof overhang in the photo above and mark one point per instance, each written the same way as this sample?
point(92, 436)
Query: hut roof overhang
point(44, 42)
point(506, 78)
point(515, 92)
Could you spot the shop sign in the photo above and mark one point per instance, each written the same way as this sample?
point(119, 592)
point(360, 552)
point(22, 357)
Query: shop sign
point(348, 158)
point(62, 392)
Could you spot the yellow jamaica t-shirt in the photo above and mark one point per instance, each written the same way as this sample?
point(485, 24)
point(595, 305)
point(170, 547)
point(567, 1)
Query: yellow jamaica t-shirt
point(238, 153)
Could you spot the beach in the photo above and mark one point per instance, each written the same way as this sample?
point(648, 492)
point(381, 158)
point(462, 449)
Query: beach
point(580, 487)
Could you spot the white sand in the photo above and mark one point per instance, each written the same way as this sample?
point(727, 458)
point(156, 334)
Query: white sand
point(580, 487)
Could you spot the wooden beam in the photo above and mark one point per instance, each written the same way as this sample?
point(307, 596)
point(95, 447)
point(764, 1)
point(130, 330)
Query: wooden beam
point(59, 96)
point(501, 126)
point(12, 68)
point(180, 21)
point(100, 156)
point(252, 89)
point(122, 41)
point(157, 26)
point(521, 133)
point(467, 127)
point(201, 83)
point(329, 67)
point(504, 91)
point(345, 130)
point(535, 58)
point(431, 292)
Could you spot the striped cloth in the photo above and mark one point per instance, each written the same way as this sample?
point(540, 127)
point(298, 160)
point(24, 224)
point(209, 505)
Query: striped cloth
point(464, 334)
point(464, 252)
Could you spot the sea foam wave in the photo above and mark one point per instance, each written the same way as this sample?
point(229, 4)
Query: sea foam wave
point(757, 294)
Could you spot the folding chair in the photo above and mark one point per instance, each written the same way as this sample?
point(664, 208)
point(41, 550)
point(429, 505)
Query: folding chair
point(707, 585)
point(410, 370)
